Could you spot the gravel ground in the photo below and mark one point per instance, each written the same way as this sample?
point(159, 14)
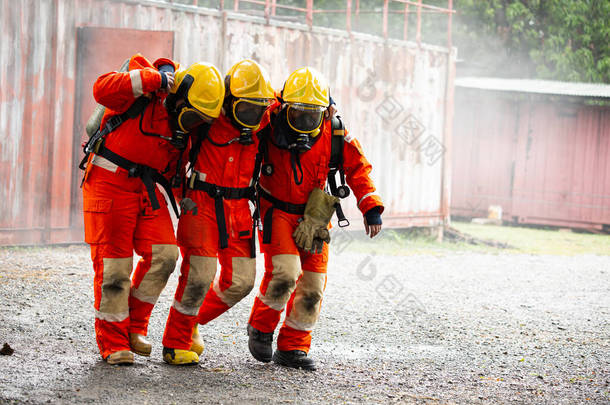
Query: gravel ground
point(455, 328)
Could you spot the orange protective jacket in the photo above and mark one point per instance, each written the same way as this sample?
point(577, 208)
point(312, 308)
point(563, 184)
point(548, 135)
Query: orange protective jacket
point(117, 91)
point(230, 166)
point(281, 184)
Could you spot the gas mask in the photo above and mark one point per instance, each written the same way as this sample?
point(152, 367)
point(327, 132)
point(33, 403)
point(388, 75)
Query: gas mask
point(298, 126)
point(184, 118)
point(246, 115)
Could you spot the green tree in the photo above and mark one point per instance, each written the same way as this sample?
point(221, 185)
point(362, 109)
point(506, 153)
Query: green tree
point(550, 39)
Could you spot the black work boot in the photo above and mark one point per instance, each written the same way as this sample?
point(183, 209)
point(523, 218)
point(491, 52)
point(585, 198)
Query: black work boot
point(294, 359)
point(259, 344)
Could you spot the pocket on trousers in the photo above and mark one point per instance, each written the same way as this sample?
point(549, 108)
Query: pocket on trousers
point(97, 216)
point(241, 223)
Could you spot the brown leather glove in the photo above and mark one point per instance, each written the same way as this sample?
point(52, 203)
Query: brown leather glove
point(312, 232)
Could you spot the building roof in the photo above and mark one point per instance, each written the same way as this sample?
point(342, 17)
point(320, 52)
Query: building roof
point(536, 86)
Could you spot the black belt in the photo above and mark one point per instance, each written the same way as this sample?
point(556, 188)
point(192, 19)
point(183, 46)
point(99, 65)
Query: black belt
point(296, 209)
point(147, 174)
point(219, 193)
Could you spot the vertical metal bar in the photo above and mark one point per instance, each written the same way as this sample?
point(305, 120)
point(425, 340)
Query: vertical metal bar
point(51, 91)
point(222, 5)
point(418, 33)
point(309, 15)
point(273, 2)
point(447, 138)
point(235, 5)
point(449, 25)
point(267, 10)
point(405, 28)
point(348, 17)
point(385, 18)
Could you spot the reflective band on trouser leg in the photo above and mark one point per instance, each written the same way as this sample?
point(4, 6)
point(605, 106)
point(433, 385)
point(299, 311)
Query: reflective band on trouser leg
point(150, 278)
point(230, 286)
point(302, 312)
point(112, 312)
point(196, 275)
point(281, 273)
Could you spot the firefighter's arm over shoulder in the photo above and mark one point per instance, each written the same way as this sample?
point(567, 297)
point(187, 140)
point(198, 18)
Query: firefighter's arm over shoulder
point(118, 90)
point(357, 173)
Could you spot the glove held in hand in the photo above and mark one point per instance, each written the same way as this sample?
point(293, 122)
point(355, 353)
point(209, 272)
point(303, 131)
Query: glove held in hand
point(312, 232)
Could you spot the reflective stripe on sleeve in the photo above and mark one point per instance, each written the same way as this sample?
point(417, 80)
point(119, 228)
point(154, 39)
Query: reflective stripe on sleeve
point(365, 196)
point(136, 83)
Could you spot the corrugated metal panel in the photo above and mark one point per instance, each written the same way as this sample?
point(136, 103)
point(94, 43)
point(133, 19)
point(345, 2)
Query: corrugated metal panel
point(544, 163)
point(38, 98)
point(536, 86)
point(483, 154)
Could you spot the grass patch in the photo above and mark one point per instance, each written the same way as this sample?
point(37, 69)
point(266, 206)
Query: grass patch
point(522, 240)
point(540, 241)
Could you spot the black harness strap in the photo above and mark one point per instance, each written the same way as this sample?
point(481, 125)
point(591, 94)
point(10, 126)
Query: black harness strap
point(147, 174)
point(296, 209)
point(113, 123)
point(219, 193)
point(336, 165)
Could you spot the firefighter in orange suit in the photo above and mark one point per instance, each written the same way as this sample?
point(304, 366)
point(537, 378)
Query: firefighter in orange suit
point(140, 142)
point(294, 172)
point(219, 224)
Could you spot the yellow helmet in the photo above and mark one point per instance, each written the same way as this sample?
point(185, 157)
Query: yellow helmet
point(202, 89)
point(248, 79)
point(306, 86)
point(307, 94)
point(249, 91)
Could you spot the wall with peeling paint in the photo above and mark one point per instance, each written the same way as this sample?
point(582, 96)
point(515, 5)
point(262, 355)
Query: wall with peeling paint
point(395, 97)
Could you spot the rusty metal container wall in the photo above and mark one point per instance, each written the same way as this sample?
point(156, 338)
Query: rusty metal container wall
point(37, 100)
point(409, 80)
point(545, 162)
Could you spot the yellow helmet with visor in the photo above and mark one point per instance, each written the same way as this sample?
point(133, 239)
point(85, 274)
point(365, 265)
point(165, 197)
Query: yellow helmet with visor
point(307, 95)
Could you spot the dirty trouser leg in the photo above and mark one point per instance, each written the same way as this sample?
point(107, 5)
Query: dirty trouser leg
point(233, 282)
point(196, 274)
point(304, 307)
point(282, 270)
point(110, 215)
point(155, 242)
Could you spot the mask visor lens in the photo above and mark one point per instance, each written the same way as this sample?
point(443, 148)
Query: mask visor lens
point(305, 118)
point(249, 113)
point(190, 119)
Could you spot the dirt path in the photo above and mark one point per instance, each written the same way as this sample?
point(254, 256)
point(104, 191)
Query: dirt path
point(457, 328)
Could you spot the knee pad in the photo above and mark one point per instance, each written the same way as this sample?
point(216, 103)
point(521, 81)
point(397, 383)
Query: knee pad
point(242, 281)
point(201, 274)
point(307, 301)
point(286, 271)
point(114, 302)
point(162, 265)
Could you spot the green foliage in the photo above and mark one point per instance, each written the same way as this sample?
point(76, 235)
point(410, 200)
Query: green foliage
point(550, 39)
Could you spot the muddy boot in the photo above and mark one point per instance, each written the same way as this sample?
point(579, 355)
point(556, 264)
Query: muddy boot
point(197, 345)
point(259, 344)
point(294, 359)
point(178, 357)
point(120, 357)
point(139, 344)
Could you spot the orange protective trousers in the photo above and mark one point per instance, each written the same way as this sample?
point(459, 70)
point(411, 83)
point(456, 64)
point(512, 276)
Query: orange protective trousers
point(198, 238)
point(118, 220)
point(293, 279)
